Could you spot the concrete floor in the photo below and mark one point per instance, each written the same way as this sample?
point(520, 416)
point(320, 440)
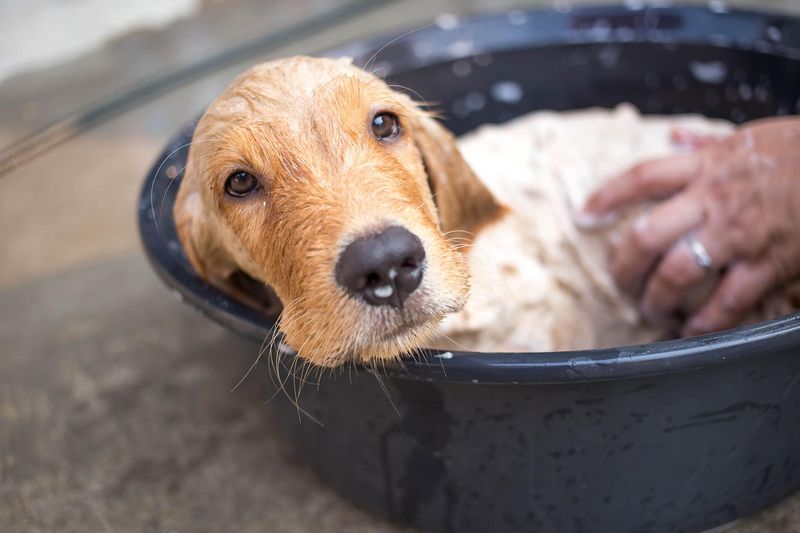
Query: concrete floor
point(116, 415)
point(115, 405)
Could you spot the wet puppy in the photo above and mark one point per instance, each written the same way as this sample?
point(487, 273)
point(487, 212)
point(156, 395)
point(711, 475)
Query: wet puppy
point(314, 179)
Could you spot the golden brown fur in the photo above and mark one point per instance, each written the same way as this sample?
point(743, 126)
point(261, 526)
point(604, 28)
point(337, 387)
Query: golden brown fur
point(301, 126)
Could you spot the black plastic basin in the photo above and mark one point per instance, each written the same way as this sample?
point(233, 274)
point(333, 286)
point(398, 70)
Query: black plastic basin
point(674, 436)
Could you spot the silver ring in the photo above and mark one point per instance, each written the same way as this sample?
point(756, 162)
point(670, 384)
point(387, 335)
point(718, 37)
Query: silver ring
point(699, 251)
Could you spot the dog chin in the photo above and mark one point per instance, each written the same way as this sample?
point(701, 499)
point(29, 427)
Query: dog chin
point(404, 340)
point(391, 335)
point(395, 333)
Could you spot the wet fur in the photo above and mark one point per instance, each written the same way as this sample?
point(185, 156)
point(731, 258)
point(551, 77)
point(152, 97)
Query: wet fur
point(301, 126)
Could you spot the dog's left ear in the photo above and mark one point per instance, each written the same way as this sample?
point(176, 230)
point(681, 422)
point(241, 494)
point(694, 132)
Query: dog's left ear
point(205, 251)
point(463, 201)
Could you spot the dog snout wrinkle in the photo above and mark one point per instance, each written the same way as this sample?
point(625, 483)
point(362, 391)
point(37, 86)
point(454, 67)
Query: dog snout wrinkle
point(384, 268)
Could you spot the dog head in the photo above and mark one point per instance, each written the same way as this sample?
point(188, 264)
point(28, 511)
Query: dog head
point(317, 180)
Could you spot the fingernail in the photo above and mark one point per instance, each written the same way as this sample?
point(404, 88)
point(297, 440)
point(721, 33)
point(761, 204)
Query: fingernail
point(586, 220)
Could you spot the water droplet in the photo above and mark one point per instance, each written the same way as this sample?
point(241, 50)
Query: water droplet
point(718, 6)
point(745, 92)
point(774, 33)
point(382, 69)
point(459, 109)
point(461, 68)
point(475, 101)
point(506, 91)
point(460, 48)
point(608, 56)
point(383, 292)
point(601, 30)
point(709, 71)
point(447, 21)
point(483, 60)
point(562, 6)
point(286, 349)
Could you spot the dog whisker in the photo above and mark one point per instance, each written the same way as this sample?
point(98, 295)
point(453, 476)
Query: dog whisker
point(448, 233)
point(382, 385)
point(166, 191)
point(350, 365)
point(421, 102)
point(441, 364)
point(277, 359)
point(249, 370)
point(265, 346)
point(158, 172)
point(305, 372)
point(379, 72)
point(454, 343)
point(294, 401)
point(295, 386)
point(367, 65)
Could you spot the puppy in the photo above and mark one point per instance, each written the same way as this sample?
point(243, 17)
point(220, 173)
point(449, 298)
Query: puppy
point(313, 179)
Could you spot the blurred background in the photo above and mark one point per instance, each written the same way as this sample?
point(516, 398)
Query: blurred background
point(108, 419)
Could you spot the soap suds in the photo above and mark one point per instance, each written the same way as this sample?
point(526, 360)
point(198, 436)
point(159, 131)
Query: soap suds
point(539, 281)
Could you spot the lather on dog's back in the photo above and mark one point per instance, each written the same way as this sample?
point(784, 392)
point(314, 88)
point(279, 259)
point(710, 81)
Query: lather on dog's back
point(314, 179)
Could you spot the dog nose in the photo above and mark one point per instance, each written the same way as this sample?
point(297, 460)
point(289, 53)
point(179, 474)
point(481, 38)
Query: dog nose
point(384, 268)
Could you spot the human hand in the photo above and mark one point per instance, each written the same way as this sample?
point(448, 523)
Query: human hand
point(733, 203)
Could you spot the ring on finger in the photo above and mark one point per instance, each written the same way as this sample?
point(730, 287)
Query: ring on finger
point(699, 252)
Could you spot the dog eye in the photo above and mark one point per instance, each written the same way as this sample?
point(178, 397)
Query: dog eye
point(240, 184)
point(385, 126)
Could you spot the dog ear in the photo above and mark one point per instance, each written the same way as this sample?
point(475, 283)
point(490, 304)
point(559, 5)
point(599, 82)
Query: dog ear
point(204, 249)
point(463, 201)
point(196, 233)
